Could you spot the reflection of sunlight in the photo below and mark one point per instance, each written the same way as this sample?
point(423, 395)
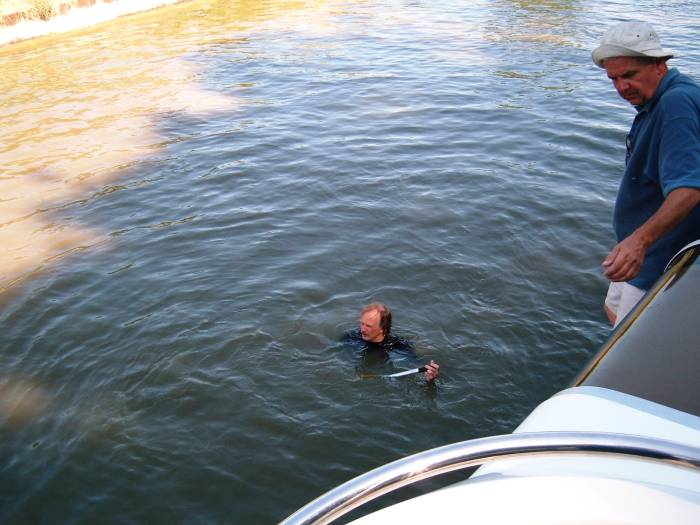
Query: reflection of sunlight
point(24, 401)
point(454, 37)
point(314, 19)
point(75, 18)
point(80, 108)
point(535, 21)
point(67, 135)
point(20, 401)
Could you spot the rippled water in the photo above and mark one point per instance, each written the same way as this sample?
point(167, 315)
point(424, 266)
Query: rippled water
point(197, 201)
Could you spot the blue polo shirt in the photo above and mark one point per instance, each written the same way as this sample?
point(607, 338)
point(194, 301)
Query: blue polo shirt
point(663, 154)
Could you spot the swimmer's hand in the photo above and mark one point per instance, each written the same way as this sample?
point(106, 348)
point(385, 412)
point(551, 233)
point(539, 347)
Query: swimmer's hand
point(432, 370)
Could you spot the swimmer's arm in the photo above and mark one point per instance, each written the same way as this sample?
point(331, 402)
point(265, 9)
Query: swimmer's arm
point(432, 369)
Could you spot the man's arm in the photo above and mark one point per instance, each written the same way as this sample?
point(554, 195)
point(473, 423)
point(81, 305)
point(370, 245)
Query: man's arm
point(402, 349)
point(625, 260)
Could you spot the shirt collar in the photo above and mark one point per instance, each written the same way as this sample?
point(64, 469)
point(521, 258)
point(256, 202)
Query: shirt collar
point(665, 83)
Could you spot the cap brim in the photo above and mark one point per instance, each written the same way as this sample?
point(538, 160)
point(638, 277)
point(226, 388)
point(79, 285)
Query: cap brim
point(601, 53)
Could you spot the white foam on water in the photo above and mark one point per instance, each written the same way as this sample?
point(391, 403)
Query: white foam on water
point(77, 18)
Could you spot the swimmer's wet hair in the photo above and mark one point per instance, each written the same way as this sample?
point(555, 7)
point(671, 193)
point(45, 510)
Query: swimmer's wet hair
point(384, 316)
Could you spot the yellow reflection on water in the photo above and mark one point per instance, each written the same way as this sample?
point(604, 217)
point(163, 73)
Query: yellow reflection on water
point(80, 108)
point(21, 401)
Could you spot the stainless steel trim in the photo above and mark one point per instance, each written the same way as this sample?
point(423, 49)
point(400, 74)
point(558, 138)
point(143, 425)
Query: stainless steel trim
point(685, 248)
point(362, 489)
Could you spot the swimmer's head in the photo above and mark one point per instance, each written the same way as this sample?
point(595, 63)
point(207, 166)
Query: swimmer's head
point(375, 322)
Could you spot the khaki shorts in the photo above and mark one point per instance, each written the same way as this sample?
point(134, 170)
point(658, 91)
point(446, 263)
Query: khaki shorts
point(621, 298)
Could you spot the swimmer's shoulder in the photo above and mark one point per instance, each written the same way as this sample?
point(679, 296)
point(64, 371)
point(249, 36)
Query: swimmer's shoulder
point(399, 344)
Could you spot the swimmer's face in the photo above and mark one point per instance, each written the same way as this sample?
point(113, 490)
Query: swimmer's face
point(370, 327)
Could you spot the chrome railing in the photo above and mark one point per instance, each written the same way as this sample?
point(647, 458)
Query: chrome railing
point(362, 489)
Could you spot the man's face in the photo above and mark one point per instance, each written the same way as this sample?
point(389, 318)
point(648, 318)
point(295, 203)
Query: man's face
point(369, 327)
point(636, 82)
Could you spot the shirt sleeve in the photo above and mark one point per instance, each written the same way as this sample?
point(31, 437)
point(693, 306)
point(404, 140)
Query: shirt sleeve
point(679, 160)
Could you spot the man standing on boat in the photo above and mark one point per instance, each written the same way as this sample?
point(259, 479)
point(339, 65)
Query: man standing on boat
point(656, 210)
point(375, 334)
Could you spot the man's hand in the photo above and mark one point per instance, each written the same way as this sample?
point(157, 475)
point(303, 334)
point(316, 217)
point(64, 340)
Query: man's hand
point(432, 370)
point(625, 260)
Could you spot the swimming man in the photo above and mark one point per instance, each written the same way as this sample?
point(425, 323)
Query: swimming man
point(375, 334)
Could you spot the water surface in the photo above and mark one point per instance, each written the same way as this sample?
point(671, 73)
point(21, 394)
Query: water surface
point(196, 202)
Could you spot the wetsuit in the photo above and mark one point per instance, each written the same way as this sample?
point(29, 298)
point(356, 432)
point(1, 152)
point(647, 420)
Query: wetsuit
point(394, 350)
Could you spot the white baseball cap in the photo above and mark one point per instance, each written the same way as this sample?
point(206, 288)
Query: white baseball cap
point(629, 39)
